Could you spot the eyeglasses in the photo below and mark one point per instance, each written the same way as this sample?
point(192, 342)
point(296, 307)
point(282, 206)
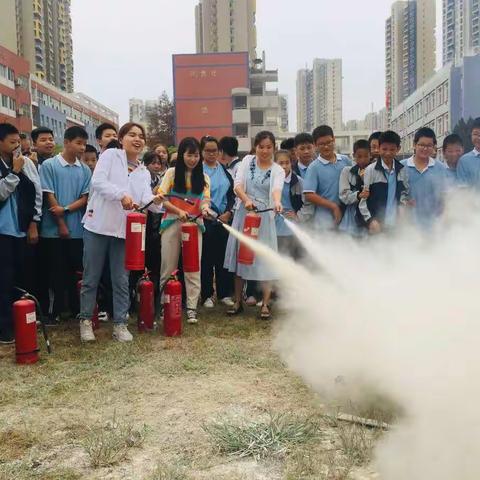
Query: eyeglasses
point(326, 144)
point(423, 145)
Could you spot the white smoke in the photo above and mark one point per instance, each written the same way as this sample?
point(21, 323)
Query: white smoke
point(402, 315)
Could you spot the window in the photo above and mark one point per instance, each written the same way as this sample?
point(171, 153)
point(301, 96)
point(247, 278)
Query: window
point(13, 104)
point(4, 101)
point(257, 117)
point(239, 102)
point(256, 89)
point(240, 130)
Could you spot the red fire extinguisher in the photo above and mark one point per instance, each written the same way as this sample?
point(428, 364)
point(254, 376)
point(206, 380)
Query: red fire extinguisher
point(135, 241)
point(172, 307)
point(25, 320)
point(251, 228)
point(190, 252)
point(94, 319)
point(146, 304)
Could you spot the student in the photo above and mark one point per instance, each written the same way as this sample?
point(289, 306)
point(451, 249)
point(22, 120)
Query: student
point(468, 170)
point(90, 157)
point(322, 180)
point(25, 145)
point(215, 237)
point(292, 204)
point(289, 144)
point(112, 193)
point(43, 144)
point(305, 153)
point(426, 179)
point(161, 150)
point(186, 179)
point(352, 191)
point(229, 154)
point(387, 183)
point(373, 142)
point(452, 151)
point(105, 133)
point(65, 184)
point(259, 183)
point(20, 212)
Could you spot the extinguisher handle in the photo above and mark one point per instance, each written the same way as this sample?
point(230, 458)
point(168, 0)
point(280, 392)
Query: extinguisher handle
point(141, 210)
point(186, 200)
point(256, 210)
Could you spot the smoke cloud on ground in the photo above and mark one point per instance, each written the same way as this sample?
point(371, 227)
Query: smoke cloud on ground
point(401, 315)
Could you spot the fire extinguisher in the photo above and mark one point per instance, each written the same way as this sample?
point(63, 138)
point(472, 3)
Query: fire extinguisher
point(25, 322)
point(146, 303)
point(172, 307)
point(94, 319)
point(135, 241)
point(190, 251)
point(251, 228)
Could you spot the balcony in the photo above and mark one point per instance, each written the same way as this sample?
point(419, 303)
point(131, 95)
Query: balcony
point(264, 102)
point(241, 116)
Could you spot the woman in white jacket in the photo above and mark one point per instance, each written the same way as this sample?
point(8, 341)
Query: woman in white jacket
point(113, 193)
point(258, 183)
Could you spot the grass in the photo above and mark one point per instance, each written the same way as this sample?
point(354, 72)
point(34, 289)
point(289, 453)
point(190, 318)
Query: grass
point(273, 436)
point(164, 471)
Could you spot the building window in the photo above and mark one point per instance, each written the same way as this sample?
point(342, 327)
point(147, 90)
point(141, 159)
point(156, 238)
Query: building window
point(239, 102)
point(256, 89)
point(257, 117)
point(4, 101)
point(240, 130)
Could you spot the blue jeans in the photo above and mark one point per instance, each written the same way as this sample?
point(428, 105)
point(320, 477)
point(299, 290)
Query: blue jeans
point(95, 250)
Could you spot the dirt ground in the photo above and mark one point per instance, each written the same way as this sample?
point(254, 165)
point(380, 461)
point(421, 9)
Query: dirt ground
point(164, 391)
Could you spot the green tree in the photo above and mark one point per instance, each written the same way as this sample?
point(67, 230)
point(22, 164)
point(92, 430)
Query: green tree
point(464, 130)
point(160, 122)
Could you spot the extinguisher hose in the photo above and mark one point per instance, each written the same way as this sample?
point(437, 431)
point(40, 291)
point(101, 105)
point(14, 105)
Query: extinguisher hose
point(29, 296)
point(186, 200)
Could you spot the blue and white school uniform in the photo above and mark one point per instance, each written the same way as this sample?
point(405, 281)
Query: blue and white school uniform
point(259, 185)
point(468, 170)
point(322, 178)
point(282, 228)
point(428, 189)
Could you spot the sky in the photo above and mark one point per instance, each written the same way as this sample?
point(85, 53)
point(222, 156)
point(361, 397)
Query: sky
point(123, 48)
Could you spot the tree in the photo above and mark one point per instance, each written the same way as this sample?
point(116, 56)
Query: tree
point(464, 130)
point(160, 122)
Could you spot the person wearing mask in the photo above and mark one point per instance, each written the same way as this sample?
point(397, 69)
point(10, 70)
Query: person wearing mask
point(259, 183)
point(20, 212)
point(113, 193)
point(215, 237)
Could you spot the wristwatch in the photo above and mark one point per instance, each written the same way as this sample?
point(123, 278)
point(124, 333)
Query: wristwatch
point(66, 209)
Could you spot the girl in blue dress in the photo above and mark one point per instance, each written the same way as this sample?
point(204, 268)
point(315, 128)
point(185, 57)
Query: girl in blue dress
point(258, 183)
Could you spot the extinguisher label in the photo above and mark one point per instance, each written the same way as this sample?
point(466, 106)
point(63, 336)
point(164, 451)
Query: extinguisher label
point(136, 227)
point(185, 237)
point(143, 238)
point(166, 298)
point(31, 317)
point(254, 232)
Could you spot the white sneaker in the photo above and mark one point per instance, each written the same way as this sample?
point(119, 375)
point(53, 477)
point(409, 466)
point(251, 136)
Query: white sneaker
point(103, 316)
point(228, 301)
point(192, 316)
point(86, 331)
point(251, 301)
point(121, 333)
point(208, 303)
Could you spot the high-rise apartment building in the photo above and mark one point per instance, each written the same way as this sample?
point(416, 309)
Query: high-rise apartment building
point(319, 95)
point(461, 29)
point(41, 32)
point(283, 113)
point(305, 100)
point(137, 110)
point(409, 48)
point(226, 26)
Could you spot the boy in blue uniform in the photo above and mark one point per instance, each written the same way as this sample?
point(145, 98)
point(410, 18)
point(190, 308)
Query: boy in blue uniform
point(321, 185)
point(20, 211)
point(468, 171)
point(387, 183)
point(305, 153)
point(452, 152)
point(426, 179)
point(65, 183)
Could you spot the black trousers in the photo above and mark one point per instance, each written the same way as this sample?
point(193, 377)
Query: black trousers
point(213, 256)
point(12, 274)
point(64, 258)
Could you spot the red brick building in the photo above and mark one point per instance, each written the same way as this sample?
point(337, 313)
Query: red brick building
point(203, 85)
point(15, 101)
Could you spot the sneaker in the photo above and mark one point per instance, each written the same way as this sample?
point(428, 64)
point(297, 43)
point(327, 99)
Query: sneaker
point(228, 301)
point(103, 316)
point(208, 303)
point(192, 316)
point(86, 331)
point(251, 301)
point(121, 333)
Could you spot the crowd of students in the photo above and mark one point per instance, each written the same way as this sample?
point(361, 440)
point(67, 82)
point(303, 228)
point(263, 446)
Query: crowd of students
point(63, 216)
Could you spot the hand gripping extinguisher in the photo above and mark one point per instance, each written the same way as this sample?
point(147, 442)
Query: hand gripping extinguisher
point(146, 304)
point(172, 307)
point(190, 251)
point(25, 321)
point(94, 319)
point(251, 228)
point(135, 241)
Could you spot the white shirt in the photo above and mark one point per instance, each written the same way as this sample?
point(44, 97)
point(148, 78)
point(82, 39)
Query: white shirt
point(411, 163)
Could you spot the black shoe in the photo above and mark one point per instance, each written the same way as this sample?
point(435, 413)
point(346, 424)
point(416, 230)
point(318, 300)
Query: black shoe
point(51, 321)
point(7, 339)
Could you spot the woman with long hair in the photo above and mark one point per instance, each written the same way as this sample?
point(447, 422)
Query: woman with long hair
point(184, 181)
point(258, 184)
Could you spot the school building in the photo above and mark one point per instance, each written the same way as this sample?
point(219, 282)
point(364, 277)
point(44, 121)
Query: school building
point(450, 95)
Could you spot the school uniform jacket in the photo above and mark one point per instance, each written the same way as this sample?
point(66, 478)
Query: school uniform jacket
point(375, 179)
